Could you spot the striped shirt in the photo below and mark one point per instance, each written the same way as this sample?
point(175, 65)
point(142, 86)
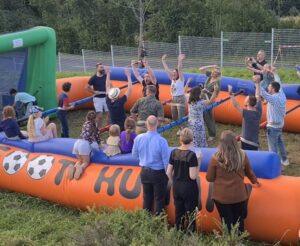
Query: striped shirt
point(275, 108)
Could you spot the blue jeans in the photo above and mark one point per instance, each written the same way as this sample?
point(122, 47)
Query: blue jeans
point(275, 142)
point(62, 116)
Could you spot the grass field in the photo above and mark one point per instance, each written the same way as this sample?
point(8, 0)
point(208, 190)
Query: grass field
point(31, 221)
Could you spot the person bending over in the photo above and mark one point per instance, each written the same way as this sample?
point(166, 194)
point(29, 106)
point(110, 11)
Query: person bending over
point(22, 102)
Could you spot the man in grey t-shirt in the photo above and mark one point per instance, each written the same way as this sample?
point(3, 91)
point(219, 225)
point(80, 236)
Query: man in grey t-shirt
point(251, 117)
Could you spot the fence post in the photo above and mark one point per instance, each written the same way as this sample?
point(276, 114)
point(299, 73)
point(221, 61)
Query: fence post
point(83, 60)
point(179, 45)
point(112, 55)
point(272, 46)
point(221, 55)
point(59, 62)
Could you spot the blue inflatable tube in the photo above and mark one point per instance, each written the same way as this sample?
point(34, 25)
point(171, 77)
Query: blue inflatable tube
point(265, 165)
point(290, 90)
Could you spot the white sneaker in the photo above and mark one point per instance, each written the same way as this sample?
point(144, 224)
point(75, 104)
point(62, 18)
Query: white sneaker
point(285, 163)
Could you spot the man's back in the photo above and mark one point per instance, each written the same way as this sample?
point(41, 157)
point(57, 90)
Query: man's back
point(152, 150)
point(147, 106)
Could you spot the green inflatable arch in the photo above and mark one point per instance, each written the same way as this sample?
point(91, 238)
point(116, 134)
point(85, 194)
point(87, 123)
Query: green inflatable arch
point(41, 61)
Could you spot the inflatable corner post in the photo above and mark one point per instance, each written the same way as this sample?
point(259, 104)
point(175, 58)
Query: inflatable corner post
point(40, 43)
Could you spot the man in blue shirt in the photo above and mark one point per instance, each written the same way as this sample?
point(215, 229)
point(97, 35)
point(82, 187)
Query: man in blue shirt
point(23, 102)
point(152, 150)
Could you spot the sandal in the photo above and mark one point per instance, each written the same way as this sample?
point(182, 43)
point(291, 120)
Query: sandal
point(78, 172)
point(71, 172)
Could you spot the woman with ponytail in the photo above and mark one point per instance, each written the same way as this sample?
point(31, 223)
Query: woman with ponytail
point(127, 136)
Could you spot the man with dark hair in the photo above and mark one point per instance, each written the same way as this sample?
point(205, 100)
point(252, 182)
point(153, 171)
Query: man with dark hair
point(63, 107)
point(152, 150)
point(97, 86)
point(257, 65)
point(23, 102)
point(251, 117)
point(275, 119)
point(145, 107)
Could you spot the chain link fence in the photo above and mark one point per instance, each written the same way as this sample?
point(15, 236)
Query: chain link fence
point(286, 47)
point(238, 45)
point(200, 51)
point(282, 47)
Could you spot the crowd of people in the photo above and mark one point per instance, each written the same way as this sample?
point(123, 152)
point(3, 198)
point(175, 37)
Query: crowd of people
point(137, 133)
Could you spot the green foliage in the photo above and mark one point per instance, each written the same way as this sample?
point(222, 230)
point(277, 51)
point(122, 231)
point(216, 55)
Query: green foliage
point(31, 221)
point(96, 24)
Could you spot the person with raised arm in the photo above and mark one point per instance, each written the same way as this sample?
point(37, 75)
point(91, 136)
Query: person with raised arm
point(149, 77)
point(251, 114)
point(97, 86)
point(115, 102)
point(256, 65)
point(213, 74)
point(177, 88)
point(197, 106)
point(276, 104)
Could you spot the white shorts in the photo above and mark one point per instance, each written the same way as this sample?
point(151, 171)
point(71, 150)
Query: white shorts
point(83, 147)
point(100, 104)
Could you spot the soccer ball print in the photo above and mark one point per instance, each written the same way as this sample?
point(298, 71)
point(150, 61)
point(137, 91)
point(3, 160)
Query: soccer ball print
point(39, 166)
point(13, 162)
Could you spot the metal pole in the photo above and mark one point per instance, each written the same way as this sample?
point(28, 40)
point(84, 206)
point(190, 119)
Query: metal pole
point(179, 45)
point(112, 55)
point(83, 61)
point(221, 56)
point(59, 62)
point(272, 46)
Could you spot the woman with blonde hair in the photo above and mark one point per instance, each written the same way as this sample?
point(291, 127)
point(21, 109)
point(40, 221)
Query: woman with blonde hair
point(227, 170)
point(38, 129)
point(182, 171)
point(9, 124)
point(211, 86)
point(113, 141)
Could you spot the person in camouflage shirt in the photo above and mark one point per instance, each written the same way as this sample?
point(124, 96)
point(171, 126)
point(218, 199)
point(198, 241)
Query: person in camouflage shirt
point(145, 107)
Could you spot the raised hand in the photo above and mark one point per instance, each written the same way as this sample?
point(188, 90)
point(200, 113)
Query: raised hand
point(127, 72)
point(181, 57)
point(107, 69)
point(164, 57)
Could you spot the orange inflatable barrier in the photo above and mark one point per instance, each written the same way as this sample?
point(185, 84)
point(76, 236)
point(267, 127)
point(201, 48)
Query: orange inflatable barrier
point(224, 113)
point(274, 208)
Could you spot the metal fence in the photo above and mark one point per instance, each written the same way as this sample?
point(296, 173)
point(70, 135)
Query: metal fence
point(282, 47)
